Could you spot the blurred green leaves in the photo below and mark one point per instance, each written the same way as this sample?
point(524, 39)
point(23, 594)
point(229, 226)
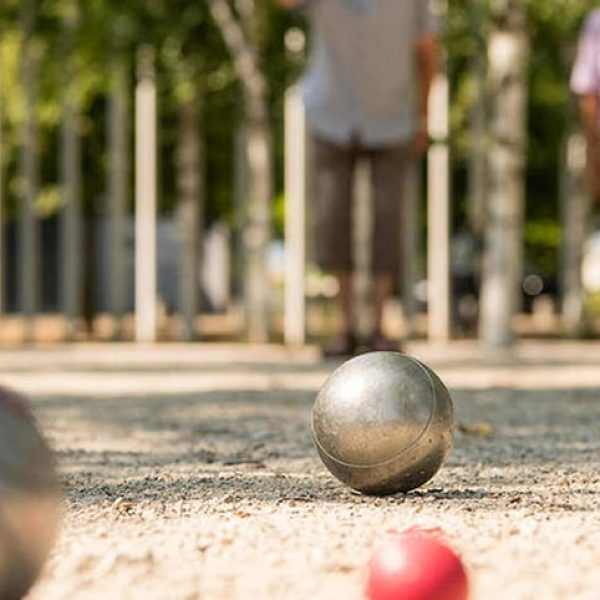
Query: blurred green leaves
point(191, 56)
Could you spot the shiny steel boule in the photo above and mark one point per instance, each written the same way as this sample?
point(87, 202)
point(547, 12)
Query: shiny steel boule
point(29, 497)
point(383, 423)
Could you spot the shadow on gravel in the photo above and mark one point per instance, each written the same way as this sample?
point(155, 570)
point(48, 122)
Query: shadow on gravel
point(229, 488)
point(263, 367)
point(225, 446)
point(541, 427)
point(214, 413)
point(223, 492)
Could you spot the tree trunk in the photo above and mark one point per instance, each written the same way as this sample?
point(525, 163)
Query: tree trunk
point(575, 207)
point(146, 200)
point(89, 266)
point(119, 181)
point(2, 283)
point(295, 219)
point(257, 229)
point(477, 155)
point(238, 35)
point(28, 244)
point(502, 270)
point(240, 204)
point(190, 186)
point(70, 169)
point(438, 214)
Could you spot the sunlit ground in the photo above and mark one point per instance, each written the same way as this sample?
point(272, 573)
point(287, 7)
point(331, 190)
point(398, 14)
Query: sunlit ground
point(189, 472)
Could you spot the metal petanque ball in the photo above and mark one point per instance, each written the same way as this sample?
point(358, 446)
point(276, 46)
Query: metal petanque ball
point(383, 423)
point(29, 497)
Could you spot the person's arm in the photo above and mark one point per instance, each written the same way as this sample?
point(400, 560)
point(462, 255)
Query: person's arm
point(427, 66)
point(589, 108)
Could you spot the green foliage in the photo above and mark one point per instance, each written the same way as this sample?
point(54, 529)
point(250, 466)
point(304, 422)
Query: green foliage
point(542, 243)
point(192, 58)
point(553, 27)
point(592, 305)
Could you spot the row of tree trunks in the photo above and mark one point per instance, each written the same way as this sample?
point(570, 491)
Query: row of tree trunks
point(73, 293)
point(501, 214)
point(500, 180)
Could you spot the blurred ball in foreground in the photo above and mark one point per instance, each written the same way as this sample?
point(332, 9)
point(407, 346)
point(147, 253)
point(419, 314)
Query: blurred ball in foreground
point(29, 497)
point(415, 565)
point(383, 423)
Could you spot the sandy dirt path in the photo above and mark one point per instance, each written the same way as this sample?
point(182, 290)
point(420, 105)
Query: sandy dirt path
point(189, 472)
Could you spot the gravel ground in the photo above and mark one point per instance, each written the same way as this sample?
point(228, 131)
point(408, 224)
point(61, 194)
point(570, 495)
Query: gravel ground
point(189, 472)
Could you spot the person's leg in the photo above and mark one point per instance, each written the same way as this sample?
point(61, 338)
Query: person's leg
point(388, 181)
point(383, 289)
point(344, 341)
point(333, 168)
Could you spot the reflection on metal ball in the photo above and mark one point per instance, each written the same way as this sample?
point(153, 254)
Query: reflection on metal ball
point(29, 497)
point(383, 423)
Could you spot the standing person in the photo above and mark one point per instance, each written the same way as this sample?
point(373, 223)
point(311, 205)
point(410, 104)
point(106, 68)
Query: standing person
point(585, 82)
point(366, 90)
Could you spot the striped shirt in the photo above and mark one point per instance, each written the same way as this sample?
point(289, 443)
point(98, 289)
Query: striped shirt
point(360, 81)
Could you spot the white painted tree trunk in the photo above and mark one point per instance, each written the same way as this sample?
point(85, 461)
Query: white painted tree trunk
point(70, 261)
point(438, 214)
point(28, 234)
point(190, 186)
point(503, 257)
point(295, 218)
point(145, 200)
point(575, 208)
point(119, 180)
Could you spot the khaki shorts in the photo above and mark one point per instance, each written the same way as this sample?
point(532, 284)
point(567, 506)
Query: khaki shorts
point(333, 174)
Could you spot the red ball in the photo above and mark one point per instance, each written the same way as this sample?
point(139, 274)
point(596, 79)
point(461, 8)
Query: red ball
point(415, 565)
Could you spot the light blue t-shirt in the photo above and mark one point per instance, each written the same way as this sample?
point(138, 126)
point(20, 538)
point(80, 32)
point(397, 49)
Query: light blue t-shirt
point(360, 81)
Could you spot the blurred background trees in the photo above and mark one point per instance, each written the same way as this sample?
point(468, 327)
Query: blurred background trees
point(67, 75)
point(552, 28)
